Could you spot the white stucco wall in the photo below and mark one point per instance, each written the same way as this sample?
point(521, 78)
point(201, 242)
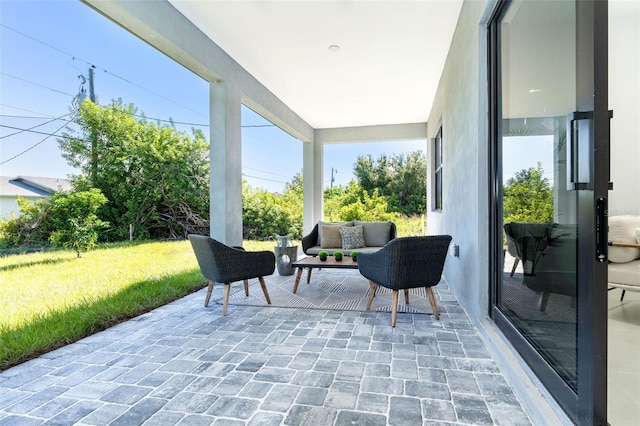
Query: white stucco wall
point(461, 106)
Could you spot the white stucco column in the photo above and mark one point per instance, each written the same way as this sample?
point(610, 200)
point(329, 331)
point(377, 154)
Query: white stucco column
point(225, 163)
point(318, 180)
point(312, 205)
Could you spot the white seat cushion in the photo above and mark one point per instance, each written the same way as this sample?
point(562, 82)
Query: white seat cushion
point(622, 229)
point(625, 273)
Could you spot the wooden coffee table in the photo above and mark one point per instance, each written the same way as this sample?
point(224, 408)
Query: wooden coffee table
point(312, 262)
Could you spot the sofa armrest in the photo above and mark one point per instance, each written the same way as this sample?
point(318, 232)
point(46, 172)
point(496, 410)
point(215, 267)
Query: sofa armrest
point(310, 240)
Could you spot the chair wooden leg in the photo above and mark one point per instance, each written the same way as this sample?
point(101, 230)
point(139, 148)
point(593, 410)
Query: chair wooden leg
point(406, 296)
point(544, 299)
point(432, 300)
point(515, 265)
point(246, 288)
point(209, 290)
point(622, 296)
point(264, 289)
point(372, 293)
point(394, 307)
point(225, 304)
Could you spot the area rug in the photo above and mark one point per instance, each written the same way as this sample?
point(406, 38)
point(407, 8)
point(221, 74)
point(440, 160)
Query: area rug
point(344, 290)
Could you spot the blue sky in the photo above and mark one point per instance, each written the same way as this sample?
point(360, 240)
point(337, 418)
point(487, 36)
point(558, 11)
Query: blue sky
point(46, 45)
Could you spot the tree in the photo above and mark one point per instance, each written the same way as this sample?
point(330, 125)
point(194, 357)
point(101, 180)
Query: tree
point(354, 203)
point(528, 197)
point(155, 177)
point(402, 179)
point(265, 215)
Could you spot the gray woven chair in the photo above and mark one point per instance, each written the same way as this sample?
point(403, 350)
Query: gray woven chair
point(223, 264)
point(406, 263)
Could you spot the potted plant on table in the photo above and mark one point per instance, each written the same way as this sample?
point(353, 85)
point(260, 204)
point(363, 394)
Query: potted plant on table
point(323, 255)
point(354, 256)
point(338, 255)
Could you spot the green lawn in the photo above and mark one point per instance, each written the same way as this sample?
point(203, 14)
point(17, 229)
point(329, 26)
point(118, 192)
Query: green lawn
point(50, 299)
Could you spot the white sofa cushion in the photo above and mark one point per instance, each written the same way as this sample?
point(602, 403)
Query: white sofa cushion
point(622, 229)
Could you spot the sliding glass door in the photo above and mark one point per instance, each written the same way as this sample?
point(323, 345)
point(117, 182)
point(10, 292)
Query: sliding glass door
point(549, 188)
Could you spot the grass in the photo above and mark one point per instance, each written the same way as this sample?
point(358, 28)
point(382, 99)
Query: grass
point(51, 299)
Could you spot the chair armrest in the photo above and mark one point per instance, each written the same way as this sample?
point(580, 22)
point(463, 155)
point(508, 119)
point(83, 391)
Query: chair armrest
point(393, 232)
point(621, 244)
point(374, 266)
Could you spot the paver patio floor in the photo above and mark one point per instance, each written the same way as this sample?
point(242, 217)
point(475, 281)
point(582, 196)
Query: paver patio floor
point(188, 365)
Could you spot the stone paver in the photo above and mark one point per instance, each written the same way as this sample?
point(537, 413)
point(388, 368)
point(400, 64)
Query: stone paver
point(184, 364)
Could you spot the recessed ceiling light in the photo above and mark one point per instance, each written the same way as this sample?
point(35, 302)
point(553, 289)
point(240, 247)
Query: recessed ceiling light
point(535, 90)
point(334, 48)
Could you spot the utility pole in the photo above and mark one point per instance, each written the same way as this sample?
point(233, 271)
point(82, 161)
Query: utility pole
point(332, 178)
point(94, 138)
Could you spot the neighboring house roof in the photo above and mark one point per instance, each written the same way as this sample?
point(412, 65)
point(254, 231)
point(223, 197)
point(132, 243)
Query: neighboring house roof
point(32, 186)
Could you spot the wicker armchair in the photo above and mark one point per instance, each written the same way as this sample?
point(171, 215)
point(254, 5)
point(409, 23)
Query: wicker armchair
point(405, 263)
point(223, 264)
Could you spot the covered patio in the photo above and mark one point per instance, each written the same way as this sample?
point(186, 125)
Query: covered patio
point(186, 364)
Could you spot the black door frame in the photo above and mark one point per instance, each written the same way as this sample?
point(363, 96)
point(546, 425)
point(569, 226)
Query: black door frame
point(589, 405)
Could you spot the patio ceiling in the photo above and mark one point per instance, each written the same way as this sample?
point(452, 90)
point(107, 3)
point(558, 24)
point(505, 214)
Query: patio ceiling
point(385, 70)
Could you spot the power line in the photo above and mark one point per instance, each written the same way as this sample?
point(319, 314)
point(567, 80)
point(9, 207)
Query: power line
point(45, 133)
point(150, 91)
point(36, 84)
point(256, 177)
point(73, 96)
point(268, 143)
point(33, 146)
point(37, 125)
point(31, 131)
point(24, 116)
point(170, 121)
point(265, 171)
point(74, 57)
point(43, 43)
point(27, 110)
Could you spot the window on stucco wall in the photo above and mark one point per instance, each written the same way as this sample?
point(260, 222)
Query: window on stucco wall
point(438, 171)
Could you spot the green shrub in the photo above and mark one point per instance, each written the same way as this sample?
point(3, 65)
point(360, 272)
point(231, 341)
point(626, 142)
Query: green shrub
point(63, 219)
point(266, 215)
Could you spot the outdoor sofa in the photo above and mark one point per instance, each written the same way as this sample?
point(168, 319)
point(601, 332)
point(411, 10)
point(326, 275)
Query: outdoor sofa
point(360, 236)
